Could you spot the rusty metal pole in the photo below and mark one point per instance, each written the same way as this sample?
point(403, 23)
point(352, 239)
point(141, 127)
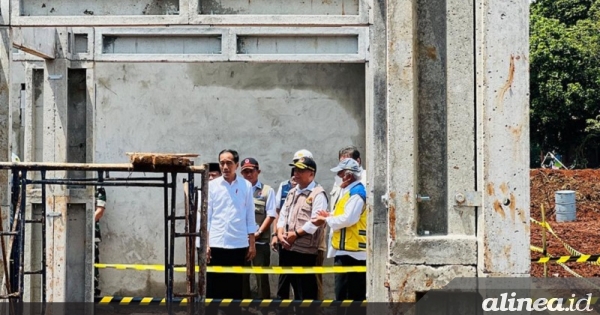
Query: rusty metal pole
point(190, 245)
point(166, 233)
point(172, 240)
point(43, 176)
point(203, 238)
point(22, 240)
point(544, 253)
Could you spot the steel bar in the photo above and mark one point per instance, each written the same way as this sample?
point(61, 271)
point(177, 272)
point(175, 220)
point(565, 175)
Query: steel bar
point(37, 272)
point(50, 166)
point(43, 176)
point(191, 295)
point(22, 236)
point(191, 262)
point(68, 182)
point(116, 179)
point(188, 235)
point(34, 221)
point(8, 233)
point(14, 212)
point(4, 257)
point(203, 237)
point(172, 240)
point(166, 231)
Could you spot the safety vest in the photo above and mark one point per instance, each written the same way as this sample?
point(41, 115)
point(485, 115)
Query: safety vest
point(285, 189)
point(299, 211)
point(352, 238)
point(261, 197)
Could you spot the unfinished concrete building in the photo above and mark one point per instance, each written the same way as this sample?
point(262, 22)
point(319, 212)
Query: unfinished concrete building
point(434, 93)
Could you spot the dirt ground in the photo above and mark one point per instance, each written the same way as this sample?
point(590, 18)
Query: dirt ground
point(583, 234)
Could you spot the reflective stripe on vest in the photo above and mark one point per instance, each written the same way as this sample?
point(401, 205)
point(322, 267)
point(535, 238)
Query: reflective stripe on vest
point(352, 238)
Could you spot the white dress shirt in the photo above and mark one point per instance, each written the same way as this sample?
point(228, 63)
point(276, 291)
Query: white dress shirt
point(351, 215)
point(230, 213)
point(320, 203)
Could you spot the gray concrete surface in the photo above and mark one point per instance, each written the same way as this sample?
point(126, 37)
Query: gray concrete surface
point(264, 111)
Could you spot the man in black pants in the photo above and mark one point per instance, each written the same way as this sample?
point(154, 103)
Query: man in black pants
point(348, 224)
point(299, 238)
point(231, 227)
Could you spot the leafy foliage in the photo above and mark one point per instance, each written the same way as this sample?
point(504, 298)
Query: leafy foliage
point(565, 76)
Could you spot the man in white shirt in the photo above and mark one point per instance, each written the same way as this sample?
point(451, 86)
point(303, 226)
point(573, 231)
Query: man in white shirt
point(299, 238)
point(264, 213)
point(348, 237)
point(231, 227)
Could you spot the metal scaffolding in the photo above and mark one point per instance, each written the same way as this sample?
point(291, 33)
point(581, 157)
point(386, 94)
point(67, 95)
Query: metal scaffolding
point(14, 257)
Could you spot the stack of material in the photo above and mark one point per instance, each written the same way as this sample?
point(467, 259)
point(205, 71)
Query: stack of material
point(142, 160)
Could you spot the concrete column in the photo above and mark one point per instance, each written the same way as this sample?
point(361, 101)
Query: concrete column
point(376, 154)
point(402, 130)
point(503, 137)
point(55, 150)
point(5, 122)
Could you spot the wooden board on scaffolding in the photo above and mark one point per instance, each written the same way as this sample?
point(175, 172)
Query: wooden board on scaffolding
point(145, 160)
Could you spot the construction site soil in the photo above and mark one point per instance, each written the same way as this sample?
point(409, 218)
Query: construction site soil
point(583, 234)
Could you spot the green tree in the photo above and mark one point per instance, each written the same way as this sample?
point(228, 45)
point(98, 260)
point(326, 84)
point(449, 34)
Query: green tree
point(565, 75)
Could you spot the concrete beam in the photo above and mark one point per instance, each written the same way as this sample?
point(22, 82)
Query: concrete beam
point(38, 41)
point(436, 250)
point(410, 279)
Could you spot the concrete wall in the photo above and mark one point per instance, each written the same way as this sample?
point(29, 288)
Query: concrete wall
point(267, 111)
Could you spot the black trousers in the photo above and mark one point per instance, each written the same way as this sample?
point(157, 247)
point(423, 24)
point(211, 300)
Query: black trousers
point(351, 285)
point(305, 286)
point(225, 285)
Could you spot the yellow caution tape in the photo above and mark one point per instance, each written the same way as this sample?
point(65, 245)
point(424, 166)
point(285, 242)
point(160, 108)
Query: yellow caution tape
point(243, 269)
point(106, 300)
point(571, 250)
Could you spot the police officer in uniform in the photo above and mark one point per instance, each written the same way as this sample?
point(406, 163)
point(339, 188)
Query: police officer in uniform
point(100, 207)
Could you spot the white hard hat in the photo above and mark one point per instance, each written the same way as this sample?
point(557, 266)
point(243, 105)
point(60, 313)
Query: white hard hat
point(302, 153)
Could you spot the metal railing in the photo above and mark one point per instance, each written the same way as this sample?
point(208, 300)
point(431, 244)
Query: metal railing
point(14, 272)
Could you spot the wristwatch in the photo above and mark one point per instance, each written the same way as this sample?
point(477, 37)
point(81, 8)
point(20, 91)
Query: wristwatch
point(274, 235)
